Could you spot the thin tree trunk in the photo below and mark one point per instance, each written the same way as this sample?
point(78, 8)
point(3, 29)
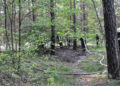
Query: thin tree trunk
point(52, 27)
point(74, 26)
point(33, 11)
point(6, 31)
point(15, 30)
point(70, 9)
point(12, 42)
point(68, 36)
point(84, 17)
point(100, 25)
point(111, 39)
point(19, 33)
point(12, 37)
point(101, 29)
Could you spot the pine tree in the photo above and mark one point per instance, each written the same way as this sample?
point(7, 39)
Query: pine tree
point(111, 39)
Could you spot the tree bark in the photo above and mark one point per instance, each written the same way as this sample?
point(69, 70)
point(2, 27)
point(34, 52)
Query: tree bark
point(6, 31)
point(11, 22)
point(52, 27)
point(74, 26)
point(85, 20)
point(111, 39)
point(19, 60)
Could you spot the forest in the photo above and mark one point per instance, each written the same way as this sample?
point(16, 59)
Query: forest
point(59, 42)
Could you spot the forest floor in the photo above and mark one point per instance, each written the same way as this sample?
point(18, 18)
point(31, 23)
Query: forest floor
point(66, 68)
point(86, 69)
point(80, 77)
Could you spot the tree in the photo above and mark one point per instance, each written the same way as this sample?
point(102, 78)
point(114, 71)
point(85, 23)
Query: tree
point(19, 60)
point(6, 31)
point(52, 27)
point(74, 26)
point(11, 22)
point(33, 11)
point(85, 15)
point(99, 21)
point(70, 18)
point(111, 39)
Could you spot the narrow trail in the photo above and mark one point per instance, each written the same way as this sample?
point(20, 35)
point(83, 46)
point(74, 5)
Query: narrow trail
point(82, 78)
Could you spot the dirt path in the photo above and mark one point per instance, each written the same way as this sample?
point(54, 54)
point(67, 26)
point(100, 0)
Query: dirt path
point(82, 78)
point(78, 78)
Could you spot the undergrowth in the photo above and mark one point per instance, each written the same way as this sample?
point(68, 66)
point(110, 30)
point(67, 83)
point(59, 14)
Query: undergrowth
point(40, 71)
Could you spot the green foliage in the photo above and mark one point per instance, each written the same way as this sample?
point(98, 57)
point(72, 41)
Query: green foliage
point(3, 68)
point(5, 57)
point(37, 33)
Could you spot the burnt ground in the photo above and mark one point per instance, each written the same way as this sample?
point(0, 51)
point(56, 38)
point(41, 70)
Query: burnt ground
point(67, 54)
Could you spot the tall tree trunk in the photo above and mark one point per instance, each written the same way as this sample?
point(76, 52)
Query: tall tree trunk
point(52, 27)
point(74, 26)
point(15, 30)
point(71, 9)
point(85, 19)
point(12, 32)
point(6, 31)
point(70, 18)
point(19, 60)
point(84, 22)
point(12, 39)
point(111, 39)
